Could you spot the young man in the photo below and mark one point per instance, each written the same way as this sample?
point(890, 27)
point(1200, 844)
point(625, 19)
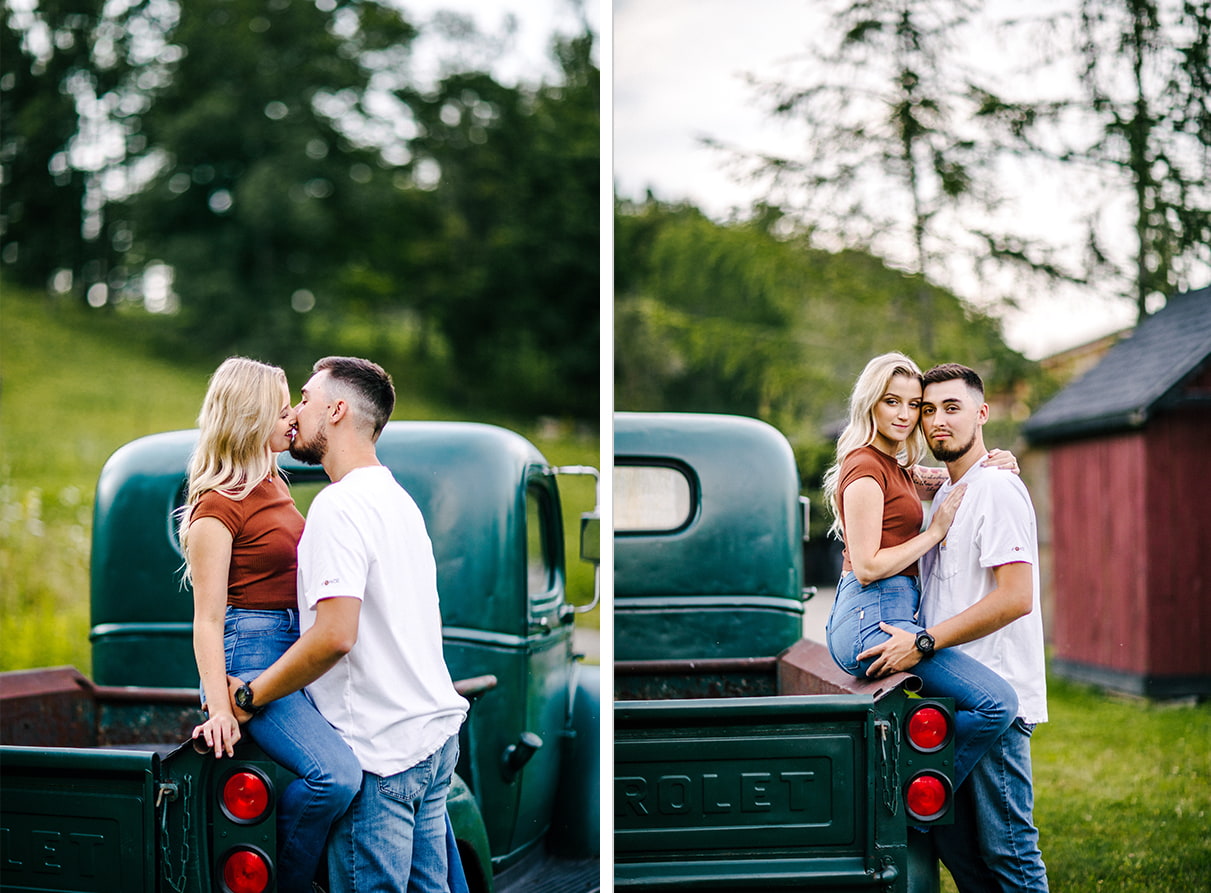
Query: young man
point(981, 594)
point(370, 650)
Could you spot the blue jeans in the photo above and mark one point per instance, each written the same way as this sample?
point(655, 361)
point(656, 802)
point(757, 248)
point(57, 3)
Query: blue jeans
point(985, 704)
point(292, 731)
point(993, 844)
point(393, 838)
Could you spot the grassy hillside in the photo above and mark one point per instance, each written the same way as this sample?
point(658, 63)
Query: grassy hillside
point(76, 385)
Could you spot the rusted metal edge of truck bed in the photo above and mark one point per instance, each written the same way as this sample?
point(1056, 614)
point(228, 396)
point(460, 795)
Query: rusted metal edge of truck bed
point(47, 680)
point(806, 668)
point(59, 706)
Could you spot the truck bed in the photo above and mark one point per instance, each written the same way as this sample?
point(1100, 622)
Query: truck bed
point(60, 707)
point(757, 773)
point(806, 668)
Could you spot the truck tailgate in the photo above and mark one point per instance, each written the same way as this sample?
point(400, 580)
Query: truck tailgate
point(77, 819)
point(727, 793)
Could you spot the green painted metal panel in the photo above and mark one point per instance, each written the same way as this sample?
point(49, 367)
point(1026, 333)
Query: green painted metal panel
point(76, 819)
point(761, 776)
point(747, 535)
point(729, 582)
point(704, 627)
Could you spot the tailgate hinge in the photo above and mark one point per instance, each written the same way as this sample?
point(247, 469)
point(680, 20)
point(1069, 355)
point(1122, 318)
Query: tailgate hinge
point(889, 764)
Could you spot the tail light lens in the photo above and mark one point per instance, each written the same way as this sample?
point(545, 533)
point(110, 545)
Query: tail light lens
point(245, 871)
point(928, 797)
point(246, 796)
point(929, 728)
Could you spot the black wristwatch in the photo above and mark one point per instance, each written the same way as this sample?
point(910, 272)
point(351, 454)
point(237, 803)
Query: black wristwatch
point(925, 644)
point(243, 699)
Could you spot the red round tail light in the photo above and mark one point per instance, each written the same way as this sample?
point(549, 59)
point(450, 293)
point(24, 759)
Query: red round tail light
point(245, 871)
point(246, 797)
point(928, 797)
point(928, 728)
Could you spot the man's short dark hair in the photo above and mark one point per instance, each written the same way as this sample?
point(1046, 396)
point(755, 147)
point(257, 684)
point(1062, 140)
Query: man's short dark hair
point(950, 372)
point(368, 381)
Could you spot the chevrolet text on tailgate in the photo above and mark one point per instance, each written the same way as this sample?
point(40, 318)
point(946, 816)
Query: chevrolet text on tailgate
point(103, 790)
point(744, 759)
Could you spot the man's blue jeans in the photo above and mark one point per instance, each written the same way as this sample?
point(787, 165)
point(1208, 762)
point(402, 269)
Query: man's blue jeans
point(993, 843)
point(985, 704)
point(295, 734)
point(393, 838)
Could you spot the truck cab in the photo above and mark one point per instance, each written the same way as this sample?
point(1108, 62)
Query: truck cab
point(744, 758)
point(525, 800)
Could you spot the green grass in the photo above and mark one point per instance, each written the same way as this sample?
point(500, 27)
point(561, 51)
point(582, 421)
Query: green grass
point(74, 386)
point(1122, 793)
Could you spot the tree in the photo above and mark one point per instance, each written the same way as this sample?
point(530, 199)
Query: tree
point(1147, 83)
point(891, 156)
point(45, 60)
point(259, 195)
point(516, 173)
point(747, 317)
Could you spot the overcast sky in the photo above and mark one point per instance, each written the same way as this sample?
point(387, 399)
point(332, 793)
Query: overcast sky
point(528, 58)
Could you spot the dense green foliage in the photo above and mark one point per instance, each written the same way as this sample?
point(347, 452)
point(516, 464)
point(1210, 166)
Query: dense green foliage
point(269, 171)
point(737, 317)
point(73, 388)
point(520, 229)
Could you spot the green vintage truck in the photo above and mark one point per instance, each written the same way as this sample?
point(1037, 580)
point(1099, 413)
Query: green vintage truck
point(103, 790)
point(744, 759)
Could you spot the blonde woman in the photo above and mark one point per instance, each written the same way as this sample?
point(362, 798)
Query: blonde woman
point(240, 531)
point(874, 491)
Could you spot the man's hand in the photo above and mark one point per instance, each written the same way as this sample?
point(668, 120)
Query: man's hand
point(897, 654)
point(233, 685)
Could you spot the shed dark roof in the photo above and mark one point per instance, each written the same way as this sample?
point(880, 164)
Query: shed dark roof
point(1135, 376)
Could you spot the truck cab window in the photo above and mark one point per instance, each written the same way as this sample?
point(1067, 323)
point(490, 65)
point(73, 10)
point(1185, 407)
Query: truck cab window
point(651, 498)
point(540, 574)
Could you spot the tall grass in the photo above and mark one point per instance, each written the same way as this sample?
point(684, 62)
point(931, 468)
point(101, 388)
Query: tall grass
point(70, 396)
point(74, 386)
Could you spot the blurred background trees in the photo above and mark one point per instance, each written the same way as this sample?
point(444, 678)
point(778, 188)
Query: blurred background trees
point(270, 178)
point(747, 317)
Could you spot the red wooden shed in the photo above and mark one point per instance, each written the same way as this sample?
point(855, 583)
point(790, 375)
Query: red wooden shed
point(1130, 477)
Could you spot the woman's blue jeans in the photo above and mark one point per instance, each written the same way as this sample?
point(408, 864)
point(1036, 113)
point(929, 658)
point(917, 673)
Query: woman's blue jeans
point(294, 733)
point(985, 704)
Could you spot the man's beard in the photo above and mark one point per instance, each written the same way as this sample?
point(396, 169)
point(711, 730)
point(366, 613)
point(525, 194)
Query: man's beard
point(940, 453)
point(310, 453)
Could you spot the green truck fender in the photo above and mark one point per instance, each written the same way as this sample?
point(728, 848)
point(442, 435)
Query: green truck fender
point(472, 836)
point(576, 822)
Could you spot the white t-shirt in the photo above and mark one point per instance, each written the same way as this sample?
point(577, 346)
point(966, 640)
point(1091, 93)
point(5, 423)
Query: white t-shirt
point(391, 696)
point(995, 525)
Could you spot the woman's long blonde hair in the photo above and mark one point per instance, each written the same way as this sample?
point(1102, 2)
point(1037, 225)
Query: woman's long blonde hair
point(242, 406)
point(860, 430)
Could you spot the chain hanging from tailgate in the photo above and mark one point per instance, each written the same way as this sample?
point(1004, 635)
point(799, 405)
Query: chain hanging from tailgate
point(889, 765)
point(170, 792)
